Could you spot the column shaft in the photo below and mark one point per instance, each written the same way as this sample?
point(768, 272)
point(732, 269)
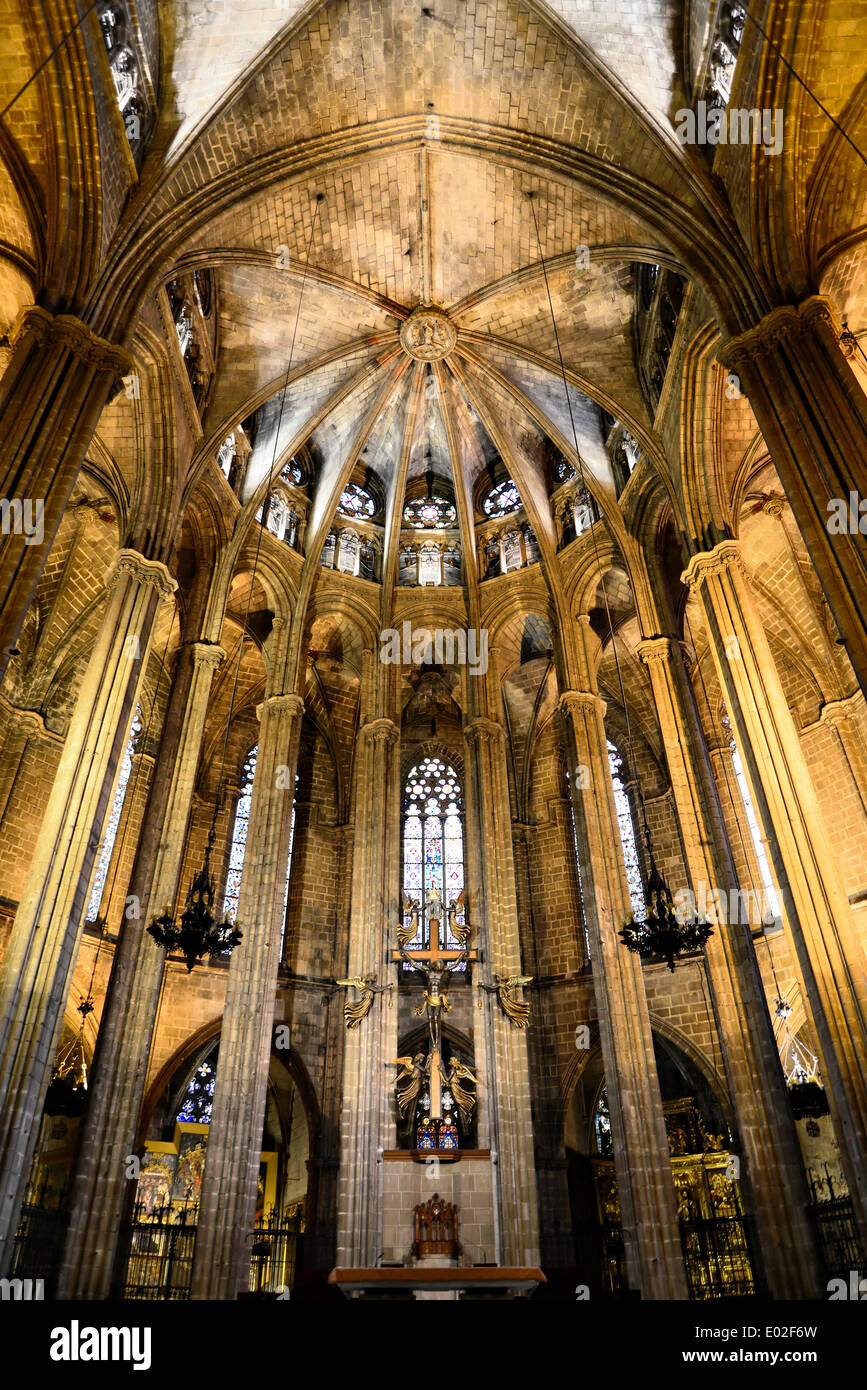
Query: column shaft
point(503, 1059)
point(108, 1127)
point(40, 960)
point(366, 1118)
point(812, 412)
point(641, 1154)
point(774, 1171)
point(228, 1204)
point(823, 937)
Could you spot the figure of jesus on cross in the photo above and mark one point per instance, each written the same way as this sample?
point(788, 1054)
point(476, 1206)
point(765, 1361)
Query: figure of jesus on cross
point(437, 963)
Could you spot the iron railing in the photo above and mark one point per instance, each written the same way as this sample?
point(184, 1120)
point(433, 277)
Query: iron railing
point(161, 1243)
point(38, 1246)
point(274, 1251)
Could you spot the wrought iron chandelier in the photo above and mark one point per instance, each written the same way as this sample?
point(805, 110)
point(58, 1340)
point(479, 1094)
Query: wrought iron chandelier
point(807, 1095)
point(198, 933)
point(662, 934)
point(67, 1089)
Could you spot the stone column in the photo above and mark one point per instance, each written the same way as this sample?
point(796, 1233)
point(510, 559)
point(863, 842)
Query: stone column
point(366, 1119)
point(54, 388)
point(822, 932)
point(23, 726)
point(228, 1204)
point(117, 1081)
point(641, 1155)
point(774, 1171)
point(40, 960)
point(503, 1060)
point(812, 412)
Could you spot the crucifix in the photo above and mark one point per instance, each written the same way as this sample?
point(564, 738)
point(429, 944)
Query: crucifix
point(436, 963)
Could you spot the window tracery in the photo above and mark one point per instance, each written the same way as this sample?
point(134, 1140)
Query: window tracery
point(238, 848)
point(627, 832)
point(111, 825)
point(502, 499)
point(356, 501)
point(198, 1102)
point(433, 844)
point(771, 900)
point(430, 513)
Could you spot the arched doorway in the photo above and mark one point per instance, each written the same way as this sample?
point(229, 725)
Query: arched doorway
point(714, 1224)
point(159, 1239)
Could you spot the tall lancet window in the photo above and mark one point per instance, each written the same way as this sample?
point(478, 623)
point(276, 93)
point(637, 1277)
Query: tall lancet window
point(771, 913)
point(627, 832)
point(237, 853)
point(111, 825)
point(433, 846)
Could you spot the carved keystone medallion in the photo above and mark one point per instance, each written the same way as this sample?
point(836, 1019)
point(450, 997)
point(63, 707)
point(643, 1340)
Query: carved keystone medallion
point(427, 335)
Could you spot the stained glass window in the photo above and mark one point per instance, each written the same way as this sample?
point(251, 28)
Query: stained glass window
point(502, 499)
point(291, 472)
point(354, 501)
point(239, 836)
point(433, 845)
point(577, 860)
point(199, 1099)
point(110, 834)
point(565, 471)
point(772, 902)
point(239, 844)
point(602, 1125)
point(429, 513)
point(627, 833)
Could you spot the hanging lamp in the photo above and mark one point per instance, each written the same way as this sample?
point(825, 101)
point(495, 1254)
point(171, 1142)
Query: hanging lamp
point(807, 1095)
point(662, 933)
point(67, 1089)
point(198, 934)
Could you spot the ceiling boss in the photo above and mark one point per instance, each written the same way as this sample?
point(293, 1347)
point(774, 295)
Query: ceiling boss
point(427, 335)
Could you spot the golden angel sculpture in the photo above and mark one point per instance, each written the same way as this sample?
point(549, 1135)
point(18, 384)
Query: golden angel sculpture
point(406, 934)
point(354, 1010)
point(464, 1099)
point(408, 1083)
point(506, 988)
point(459, 931)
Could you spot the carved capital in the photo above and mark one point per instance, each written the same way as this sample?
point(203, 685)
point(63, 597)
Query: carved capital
point(29, 722)
point(292, 705)
point(787, 321)
point(65, 330)
point(207, 654)
point(574, 702)
point(484, 731)
point(381, 731)
point(657, 649)
point(837, 712)
point(726, 555)
point(151, 572)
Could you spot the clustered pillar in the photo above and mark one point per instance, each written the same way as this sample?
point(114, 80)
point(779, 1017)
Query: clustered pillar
point(829, 957)
point(228, 1203)
point(108, 1128)
point(773, 1170)
point(641, 1154)
point(42, 950)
